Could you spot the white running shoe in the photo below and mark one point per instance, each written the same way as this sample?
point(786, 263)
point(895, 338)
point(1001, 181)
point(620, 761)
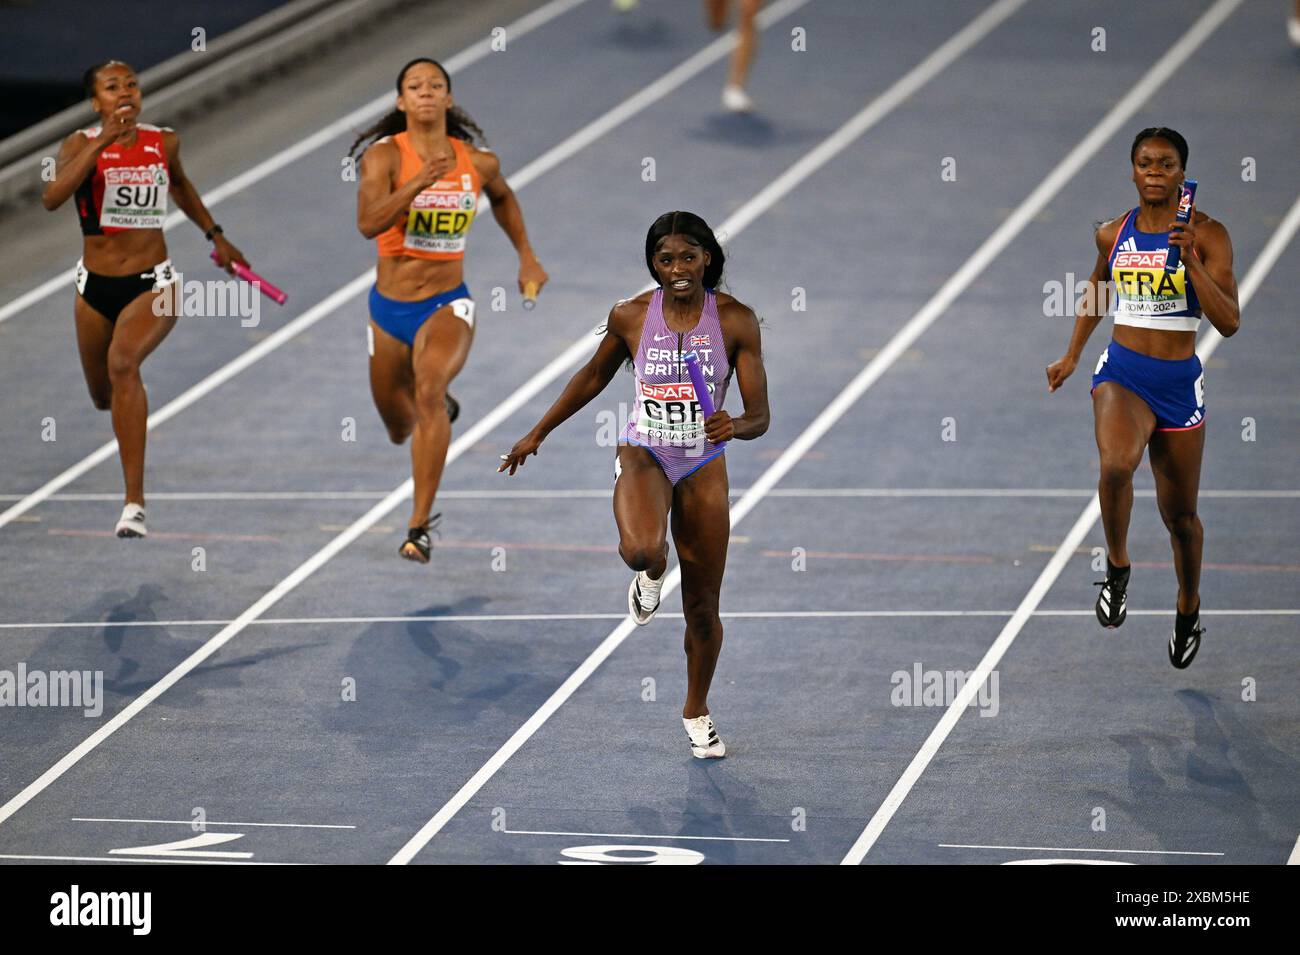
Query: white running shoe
point(131, 523)
point(736, 99)
point(705, 743)
point(643, 597)
point(1293, 30)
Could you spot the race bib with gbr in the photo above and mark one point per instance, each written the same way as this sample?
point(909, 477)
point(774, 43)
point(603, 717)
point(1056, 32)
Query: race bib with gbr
point(669, 414)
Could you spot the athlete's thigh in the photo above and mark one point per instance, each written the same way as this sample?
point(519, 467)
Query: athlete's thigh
point(94, 335)
point(442, 345)
point(642, 495)
point(1123, 422)
point(140, 328)
point(701, 521)
point(392, 381)
point(1176, 463)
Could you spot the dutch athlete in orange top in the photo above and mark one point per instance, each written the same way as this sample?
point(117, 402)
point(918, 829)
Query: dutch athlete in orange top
point(420, 180)
point(122, 173)
point(1149, 390)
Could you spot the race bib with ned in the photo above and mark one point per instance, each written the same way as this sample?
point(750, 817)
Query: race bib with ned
point(439, 220)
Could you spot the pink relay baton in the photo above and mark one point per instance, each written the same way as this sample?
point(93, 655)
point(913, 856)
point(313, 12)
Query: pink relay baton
point(702, 395)
point(274, 293)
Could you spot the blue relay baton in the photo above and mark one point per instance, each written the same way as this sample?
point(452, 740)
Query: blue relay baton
point(1184, 215)
point(702, 395)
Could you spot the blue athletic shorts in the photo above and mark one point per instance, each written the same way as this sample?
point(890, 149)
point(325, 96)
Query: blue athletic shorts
point(403, 319)
point(1173, 390)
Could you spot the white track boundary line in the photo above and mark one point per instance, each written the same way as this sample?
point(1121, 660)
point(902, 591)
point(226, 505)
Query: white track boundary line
point(898, 93)
point(604, 494)
point(662, 615)
point(1146, 852)
point(635, 835)
point(133, 860)
point(210, 822)
point(346, 124)
point(479, 430)
point(1254, 278)
point(539, 166)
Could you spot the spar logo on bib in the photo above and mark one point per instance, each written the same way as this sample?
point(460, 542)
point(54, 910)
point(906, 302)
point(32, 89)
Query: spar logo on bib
point(135, 197)
point(439, 220)
point(669, 413)
point(1150, 259)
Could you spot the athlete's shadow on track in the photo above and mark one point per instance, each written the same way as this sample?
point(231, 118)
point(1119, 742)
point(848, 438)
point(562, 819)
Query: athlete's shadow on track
point(441, 679)
point(718, 801)
point(639, 32)
point(1204, 780)
point(750, 130)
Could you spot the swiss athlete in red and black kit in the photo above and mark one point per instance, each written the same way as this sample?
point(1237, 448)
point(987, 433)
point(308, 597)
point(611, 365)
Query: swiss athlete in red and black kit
point(122, 173)
point(671, 461)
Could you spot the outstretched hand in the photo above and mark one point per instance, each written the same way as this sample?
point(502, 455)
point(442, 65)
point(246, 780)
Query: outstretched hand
point(525, 446)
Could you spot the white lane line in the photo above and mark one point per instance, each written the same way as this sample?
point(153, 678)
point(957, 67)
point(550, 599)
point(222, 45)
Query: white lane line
point(930, 67)
point(129, 860)
point(634, 835)
point(210, 822)
point(347, 124)
point(1294, 858)
point(598, 493)
point(662, 615)
point(1246, 290)
point(576, 352)
point(1147, 852)
point(542, 164)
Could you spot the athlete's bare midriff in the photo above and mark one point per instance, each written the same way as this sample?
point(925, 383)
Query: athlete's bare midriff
point(406, 278)
point(1157, 342)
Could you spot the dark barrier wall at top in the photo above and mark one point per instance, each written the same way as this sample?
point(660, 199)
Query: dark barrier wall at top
point(49, 43)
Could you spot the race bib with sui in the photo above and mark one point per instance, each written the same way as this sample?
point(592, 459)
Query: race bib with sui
point(135, 197)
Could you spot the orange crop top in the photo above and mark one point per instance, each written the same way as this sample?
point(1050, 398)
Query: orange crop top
point(439, 217)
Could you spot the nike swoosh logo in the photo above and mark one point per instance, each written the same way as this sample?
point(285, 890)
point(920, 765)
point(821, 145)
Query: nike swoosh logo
point(660, 338)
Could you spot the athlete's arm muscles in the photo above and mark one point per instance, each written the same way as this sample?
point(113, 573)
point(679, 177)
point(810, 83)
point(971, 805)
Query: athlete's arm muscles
point(509, 216)
point(1092, 309)
point(77, 157)
point(589, 381)
point(751, 376)
point(189, 202)
point(379, 205)
point(1210, 272)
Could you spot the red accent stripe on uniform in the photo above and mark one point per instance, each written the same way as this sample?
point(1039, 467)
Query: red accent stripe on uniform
point(1122, 226)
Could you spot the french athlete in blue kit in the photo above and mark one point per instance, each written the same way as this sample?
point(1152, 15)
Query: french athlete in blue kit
point(1150, 297)
point(1148, 388)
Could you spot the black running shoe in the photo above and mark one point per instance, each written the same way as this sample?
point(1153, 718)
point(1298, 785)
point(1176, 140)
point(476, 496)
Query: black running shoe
point(417, 546)
point(453, 408)
point(1112, 602)
point(1186, 639)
